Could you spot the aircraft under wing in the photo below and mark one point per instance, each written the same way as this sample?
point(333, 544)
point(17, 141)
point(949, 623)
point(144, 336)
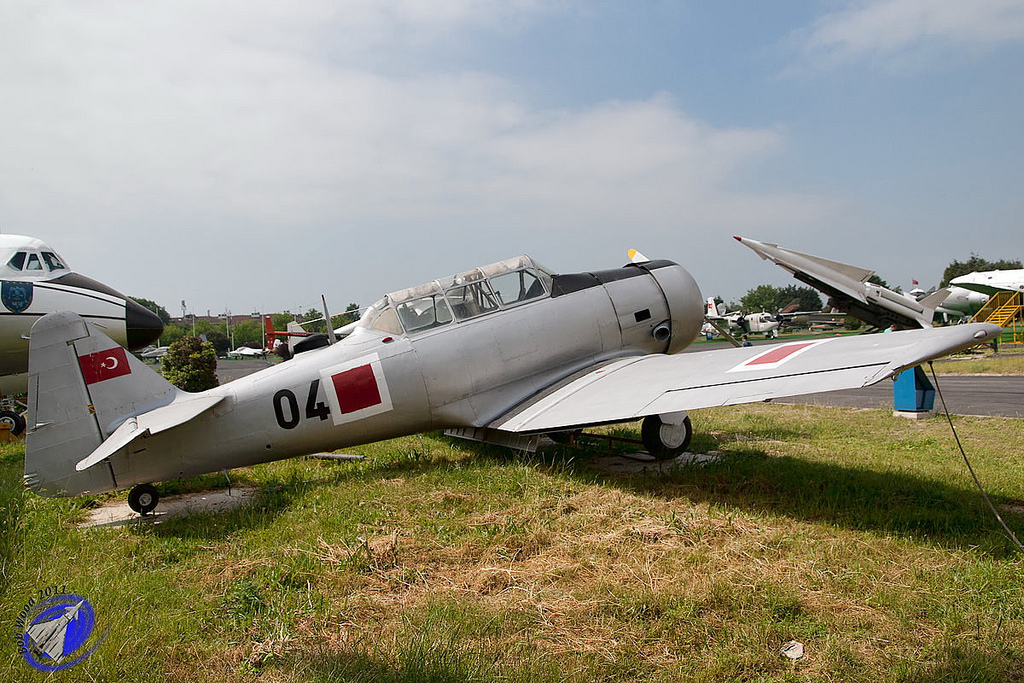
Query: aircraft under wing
point(152, 422)
point(635, 387)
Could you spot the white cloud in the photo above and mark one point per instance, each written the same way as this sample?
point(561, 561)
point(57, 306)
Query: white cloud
point(882, 29)
point(202, 126)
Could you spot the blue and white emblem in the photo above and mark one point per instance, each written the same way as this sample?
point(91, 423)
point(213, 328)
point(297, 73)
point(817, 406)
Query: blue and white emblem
point(17, 296)
point(56, 633)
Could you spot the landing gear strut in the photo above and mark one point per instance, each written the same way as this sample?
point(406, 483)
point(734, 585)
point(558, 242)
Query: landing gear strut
point(663, 440)
point(143, 498)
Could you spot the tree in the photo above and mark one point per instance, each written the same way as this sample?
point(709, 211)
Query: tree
point(218, 339)
point(760, 298)
point(350, 315)
point(976, 263)
point(191, 364)
point(173, 332)
point(159, 310)
point(248, 332)
point(807, 298)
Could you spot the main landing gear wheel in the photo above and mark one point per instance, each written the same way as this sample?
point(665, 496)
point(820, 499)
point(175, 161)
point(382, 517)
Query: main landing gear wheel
point(143, 498)
point(665, 441)
point(16, 421)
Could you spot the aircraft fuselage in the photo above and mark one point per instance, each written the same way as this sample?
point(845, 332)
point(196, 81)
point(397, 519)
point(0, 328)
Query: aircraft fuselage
point(377, 384)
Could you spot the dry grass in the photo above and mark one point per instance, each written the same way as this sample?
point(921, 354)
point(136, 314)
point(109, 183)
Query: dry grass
point(854, 533)
point(1006, 362)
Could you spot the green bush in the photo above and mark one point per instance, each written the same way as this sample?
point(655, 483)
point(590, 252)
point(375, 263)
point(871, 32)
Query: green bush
point(191, 364)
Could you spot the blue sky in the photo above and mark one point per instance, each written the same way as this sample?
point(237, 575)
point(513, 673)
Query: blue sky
point(251, 155)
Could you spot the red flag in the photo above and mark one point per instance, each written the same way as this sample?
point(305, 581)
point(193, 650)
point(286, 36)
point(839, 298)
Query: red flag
point(104, 365)
point(914, 281)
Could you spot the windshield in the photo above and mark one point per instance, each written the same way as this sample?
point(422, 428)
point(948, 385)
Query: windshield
point(465, 296)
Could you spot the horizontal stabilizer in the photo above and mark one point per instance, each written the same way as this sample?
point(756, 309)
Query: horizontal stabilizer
point(153, 422)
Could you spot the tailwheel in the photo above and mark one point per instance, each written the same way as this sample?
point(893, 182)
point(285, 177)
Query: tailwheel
point(663, 440)
point(15, 420)
point(143, 498)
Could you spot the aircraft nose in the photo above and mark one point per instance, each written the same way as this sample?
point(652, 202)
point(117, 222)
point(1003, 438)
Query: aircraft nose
point(142, 325)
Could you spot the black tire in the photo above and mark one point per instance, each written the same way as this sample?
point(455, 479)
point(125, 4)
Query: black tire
point(665, 441)
point(16, 421)
point(143, 498)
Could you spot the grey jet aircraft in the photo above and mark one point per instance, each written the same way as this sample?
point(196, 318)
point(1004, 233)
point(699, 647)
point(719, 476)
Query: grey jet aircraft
point(34, 281)
point(506, 348)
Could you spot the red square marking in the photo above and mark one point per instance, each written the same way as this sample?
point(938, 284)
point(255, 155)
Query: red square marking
point(779, 354)
point(104, 365)
point(356, 389)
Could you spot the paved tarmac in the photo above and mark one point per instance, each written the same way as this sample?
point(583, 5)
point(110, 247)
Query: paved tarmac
point(998, 395)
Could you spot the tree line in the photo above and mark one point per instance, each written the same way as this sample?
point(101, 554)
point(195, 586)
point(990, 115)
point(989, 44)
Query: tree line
point(761, 298)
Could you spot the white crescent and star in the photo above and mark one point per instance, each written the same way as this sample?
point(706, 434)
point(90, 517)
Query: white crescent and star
point(109, 367)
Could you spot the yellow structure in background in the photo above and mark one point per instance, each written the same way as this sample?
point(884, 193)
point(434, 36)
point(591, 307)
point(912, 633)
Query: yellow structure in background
point(1005, 309)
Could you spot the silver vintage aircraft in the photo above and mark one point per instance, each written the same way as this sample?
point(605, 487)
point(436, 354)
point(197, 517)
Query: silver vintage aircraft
point(506, 348)
point(34, 281)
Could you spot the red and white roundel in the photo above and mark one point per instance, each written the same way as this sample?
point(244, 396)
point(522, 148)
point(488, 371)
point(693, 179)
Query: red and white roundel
point(776, 355)
point(356, 389)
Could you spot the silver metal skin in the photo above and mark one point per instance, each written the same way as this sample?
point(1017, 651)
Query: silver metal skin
point(509, 346)
point(461, 374)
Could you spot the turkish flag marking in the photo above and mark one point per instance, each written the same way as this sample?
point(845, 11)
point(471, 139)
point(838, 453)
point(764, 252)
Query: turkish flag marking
point(356, 389)
point(779, 354)
point(104, 365)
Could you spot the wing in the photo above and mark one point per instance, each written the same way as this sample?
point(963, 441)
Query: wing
point(635, 387)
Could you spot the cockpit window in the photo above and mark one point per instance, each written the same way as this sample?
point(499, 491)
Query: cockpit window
point(387, 321)
point(17, 261)
point(515, 288)
point(472, 299)
point(425, 313)
point(33, 262)
point(53, 261)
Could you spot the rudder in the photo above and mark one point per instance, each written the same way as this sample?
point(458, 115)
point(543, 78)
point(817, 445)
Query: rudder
point(82, 386)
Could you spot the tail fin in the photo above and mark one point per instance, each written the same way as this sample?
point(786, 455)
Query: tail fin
point(296, 333)
point(711, 308)
point(82, 386)
point(933, 301)
point(270, 333)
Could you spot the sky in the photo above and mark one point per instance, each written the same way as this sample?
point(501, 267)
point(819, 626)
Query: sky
point(252, 155)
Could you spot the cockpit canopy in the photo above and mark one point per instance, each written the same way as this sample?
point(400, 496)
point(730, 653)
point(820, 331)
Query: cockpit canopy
point(464, 296)
point(28, 257)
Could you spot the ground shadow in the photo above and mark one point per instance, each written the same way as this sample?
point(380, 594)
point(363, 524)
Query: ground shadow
point(891, 502)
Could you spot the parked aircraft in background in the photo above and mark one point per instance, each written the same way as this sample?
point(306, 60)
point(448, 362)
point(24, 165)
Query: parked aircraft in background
point(35, 281)
point(153, 353)
point(849, 289)
point(969, 293)
point(499, 351)
point(962, 303)
point(246, 352)
point(991, 282)
point(748, 323)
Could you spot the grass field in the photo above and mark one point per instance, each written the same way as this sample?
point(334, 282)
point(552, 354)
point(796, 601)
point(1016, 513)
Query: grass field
point(853, 532)
point(1002, 363)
